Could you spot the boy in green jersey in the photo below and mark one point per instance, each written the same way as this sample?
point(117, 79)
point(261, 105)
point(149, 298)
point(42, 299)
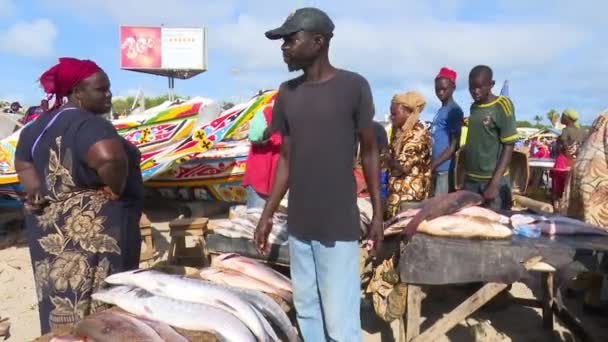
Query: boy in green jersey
point(489, 145)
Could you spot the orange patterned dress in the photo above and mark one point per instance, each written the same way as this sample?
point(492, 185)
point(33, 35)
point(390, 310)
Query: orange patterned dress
point(586, 196)
point(410, 178)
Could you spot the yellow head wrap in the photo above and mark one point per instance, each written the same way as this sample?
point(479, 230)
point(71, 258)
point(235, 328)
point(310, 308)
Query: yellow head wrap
point(412, 100)
point(573, 115)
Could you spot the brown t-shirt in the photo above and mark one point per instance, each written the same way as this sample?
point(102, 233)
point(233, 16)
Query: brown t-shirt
point(322, 121)
point(571, 135)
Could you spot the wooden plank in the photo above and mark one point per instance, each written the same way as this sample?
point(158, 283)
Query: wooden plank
point(414, 308)
point(461, 312)
point(572, 324)
point(547, 300)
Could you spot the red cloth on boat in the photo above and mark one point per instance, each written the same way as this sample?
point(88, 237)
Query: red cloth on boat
point(262, 161)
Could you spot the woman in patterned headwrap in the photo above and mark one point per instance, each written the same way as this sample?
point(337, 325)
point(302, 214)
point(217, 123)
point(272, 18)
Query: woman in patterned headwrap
point(410, 154)
point(84, 193)
point(585, 199)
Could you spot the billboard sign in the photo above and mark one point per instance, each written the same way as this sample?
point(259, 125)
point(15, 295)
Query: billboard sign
point(168, 51)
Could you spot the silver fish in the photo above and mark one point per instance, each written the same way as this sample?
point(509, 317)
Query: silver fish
point(191, 290)
point(253, 269)
point(269, 308)
point(177, 313)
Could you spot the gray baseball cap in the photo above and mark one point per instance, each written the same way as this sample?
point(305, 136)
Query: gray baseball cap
point(307, 19)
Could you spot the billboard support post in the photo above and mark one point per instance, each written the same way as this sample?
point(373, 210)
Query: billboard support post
point(171, 88)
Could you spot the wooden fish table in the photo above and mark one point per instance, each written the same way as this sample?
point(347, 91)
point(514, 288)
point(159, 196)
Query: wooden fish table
point(430, 260)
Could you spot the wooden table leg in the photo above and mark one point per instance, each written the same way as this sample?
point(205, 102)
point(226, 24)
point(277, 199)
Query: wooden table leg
point(414, 308)
point(461, 312)
point(547, 300)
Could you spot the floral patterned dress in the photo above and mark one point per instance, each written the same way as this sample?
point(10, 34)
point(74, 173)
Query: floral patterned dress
point(411, 180)
point(79, 237)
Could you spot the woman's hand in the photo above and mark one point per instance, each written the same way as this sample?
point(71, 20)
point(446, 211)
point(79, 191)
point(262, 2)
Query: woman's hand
point(108, 193)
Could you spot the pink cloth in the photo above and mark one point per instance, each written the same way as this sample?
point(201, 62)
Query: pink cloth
point(262, 161)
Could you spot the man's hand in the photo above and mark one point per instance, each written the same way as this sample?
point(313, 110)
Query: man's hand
point(491, 192)
point(260, 237)
point(376, 234)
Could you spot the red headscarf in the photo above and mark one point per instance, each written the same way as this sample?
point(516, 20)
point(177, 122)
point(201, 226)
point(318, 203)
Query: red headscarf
point(447, 73)
point(59, 80)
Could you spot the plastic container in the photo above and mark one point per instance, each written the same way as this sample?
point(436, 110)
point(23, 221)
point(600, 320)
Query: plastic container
point(526, 230)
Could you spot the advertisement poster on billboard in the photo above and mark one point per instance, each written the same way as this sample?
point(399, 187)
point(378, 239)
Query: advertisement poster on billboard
point(163, 50)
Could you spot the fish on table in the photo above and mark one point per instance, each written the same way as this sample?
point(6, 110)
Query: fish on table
point(253, 269)
point(176, 313)
point(237, 279)
point(107, 326)
point(557, 225)
point(484, 212)
point(270, 309)
point(196, 291)
point(444, 204)
point(469, 227)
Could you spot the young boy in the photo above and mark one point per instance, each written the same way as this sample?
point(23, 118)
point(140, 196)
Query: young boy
point(489, 146)
point(446, 128)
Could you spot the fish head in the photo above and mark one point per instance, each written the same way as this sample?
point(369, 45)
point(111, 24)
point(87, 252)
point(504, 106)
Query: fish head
point(114, 294)
point(127, 277)
point(100, 327)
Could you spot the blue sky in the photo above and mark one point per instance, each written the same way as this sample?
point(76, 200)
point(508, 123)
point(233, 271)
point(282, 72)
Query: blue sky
point(552, 52)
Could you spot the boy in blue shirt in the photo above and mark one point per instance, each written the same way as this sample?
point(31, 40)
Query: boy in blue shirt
point(446, 128)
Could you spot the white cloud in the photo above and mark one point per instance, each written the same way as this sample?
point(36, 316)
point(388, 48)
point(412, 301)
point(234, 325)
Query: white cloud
point(29, 39)
point(550, 50)
point(7, 8)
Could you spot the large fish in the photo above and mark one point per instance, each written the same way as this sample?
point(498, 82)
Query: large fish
point(196, 291)
point(557, 225)
point(177, 313)
point(270, 309)
point(441, 205)
point(110, 326)
point(234, 278)
point(163, 330)
point(253, 269)
point(459, 226)
point(483, 212)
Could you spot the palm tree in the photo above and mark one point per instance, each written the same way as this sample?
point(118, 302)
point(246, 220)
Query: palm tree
point(553, 116)
point(538, 119)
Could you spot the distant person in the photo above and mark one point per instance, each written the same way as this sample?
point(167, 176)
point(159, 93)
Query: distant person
point(409, 179)
point(262, 162)
point(84, 194)
point(570, 140)
point(446, 129)
point(320, 114)
point(34, 112)
point(492, 133)
point(14, 108)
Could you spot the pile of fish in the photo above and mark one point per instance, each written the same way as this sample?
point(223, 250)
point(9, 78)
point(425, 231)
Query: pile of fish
point(459, 215)
point(243, 226)
point(232, 312)
point(233, 269)
point(120, 326)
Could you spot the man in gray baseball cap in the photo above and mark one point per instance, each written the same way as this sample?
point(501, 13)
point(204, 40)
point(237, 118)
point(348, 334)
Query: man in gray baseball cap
point(304, 19)
point(321, 114)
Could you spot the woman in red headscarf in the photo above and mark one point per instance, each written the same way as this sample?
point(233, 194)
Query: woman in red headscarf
point(84, 193)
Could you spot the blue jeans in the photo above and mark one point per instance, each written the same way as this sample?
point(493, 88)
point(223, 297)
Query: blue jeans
point(255, 200)
point(326, 289)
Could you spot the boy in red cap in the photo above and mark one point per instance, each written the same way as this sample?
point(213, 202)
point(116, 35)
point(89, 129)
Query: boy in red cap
point(446, 128)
